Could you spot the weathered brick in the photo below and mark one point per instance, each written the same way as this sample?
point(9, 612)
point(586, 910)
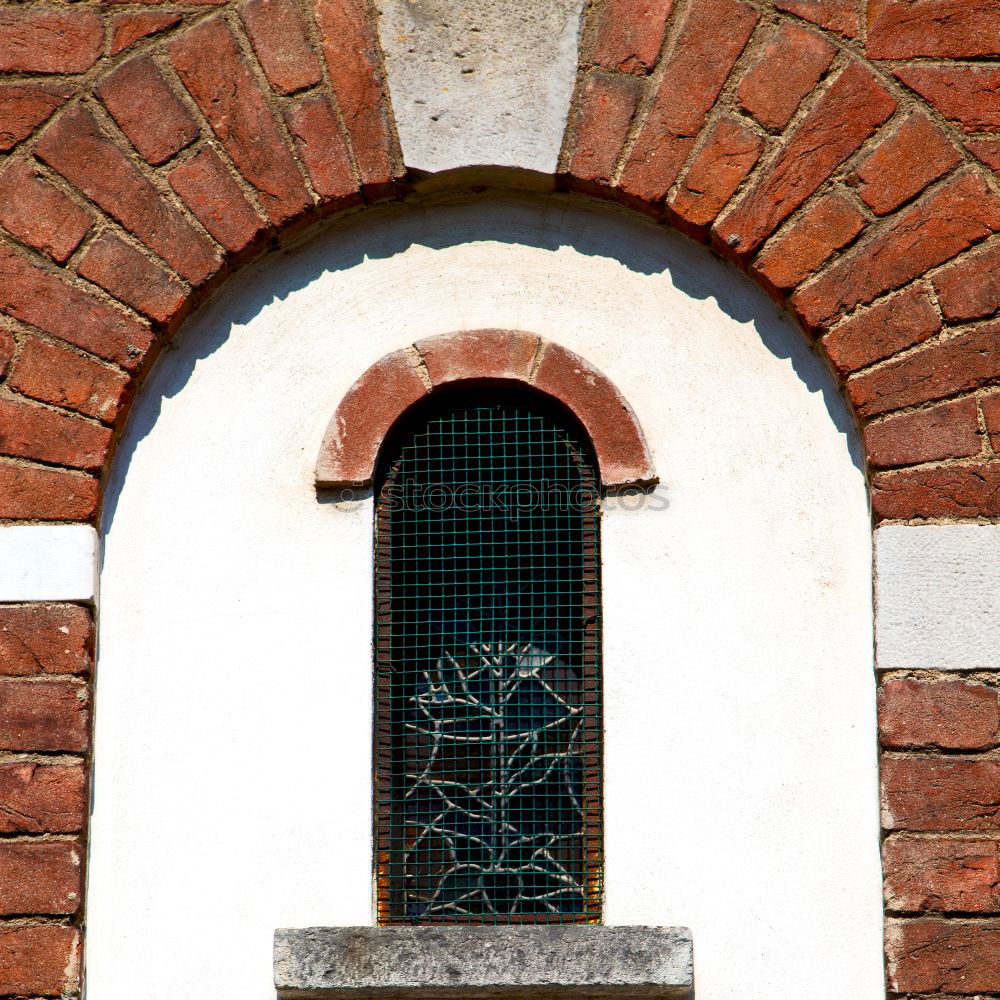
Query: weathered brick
point(127, 29)
point(31, 491)
point(607, 104)
point(904, 164)
point(941, 874)
point(228, 95)
point(837, 15)
point(630, 33)
point(53, 374)
point(940, 793)
point(991, 413)
point(721, 165)
point(42, 798)
point(950, 491)
point(961, 363)
point(970, 289)
point(39, 960)
point(40, 877)
point(216, 201)
point(952, 715)
point(711, 39)
point(948, 29)
point(25, 106)
point(31, 431)
point(45, 639)
point(987, 150)
point(943, 956)
point(351, 53)
point(824, 228)
point(966, 95)
point(134, 279)
point(49, 715)
point(958, 216)
point(894, 324)
point(322, 147)
point(77, 149)
point(7, 348)
point(147, 110)
point(39, 214)
point(278, 35)
point(789, 68)
point(477, 354)
point(947, 430)
point(845, 116)
point(49, 41)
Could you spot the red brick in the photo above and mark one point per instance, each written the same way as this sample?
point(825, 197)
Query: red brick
point(216, 201)
point(947, 430)
point(987, 150)
point(790, 67)
point(45, 639)
point(951, 715)
point(845, 117)
point(147, 110)
point(961, 363)
point(39, 960)
point(711, 39)
point(47, 715)
point(949, 29)
point(241, 117)
point(127, 29)
point(970, 289)
point(31, 431)
point(952, 491)
point(49, 41)
point(53, 374)
point(941, 874)
point(966, 95)
point(39, 214)
point(904, 164)
point(943, 956)
point(958, 216)
point(40, 877)
point(134, 279)
point(351, 53)
point(630, 33)
point(940, 793)
point(278, 35)
point(720, 167)
point(28, 491)
point(991, 412)
point(898, 322)
point(479, 354)
point(809, 242)
point(7, 348)
point(607, 104)
point(837, 15)
point(76, 147)
point(42, 798)
point(23, 107)
point(179, 3)
point(322, 147)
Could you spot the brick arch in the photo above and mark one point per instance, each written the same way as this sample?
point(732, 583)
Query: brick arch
point(841, 152)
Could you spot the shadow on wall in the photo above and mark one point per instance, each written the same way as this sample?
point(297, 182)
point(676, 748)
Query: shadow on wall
point(546, 222)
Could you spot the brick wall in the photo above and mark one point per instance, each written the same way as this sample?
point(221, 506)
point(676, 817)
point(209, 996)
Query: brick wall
point(842, 152)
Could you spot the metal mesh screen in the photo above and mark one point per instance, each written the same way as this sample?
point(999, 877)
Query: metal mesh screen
point(487, 667)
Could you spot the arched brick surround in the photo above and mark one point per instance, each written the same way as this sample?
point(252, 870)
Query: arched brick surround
point(840, 151)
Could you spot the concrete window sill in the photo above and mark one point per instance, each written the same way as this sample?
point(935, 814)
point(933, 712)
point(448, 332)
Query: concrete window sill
point(509, 962)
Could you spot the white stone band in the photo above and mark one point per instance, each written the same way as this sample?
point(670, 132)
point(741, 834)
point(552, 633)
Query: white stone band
point(937, 597)
point(45, 562)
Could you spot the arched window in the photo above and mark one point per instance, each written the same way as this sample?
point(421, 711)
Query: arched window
point(487, 617)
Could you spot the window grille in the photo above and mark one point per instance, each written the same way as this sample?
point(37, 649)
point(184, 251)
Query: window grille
point(487, 591)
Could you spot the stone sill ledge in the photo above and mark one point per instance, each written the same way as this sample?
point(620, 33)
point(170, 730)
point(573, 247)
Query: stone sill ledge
point(483, 962)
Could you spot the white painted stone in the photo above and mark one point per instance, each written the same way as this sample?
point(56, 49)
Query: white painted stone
point(48, 562)
point(478, 82)
point(233, 742)
point(937, 597)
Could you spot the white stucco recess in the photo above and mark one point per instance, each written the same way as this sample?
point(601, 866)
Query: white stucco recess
point(48, 562)
point(480, 81)
point(232, 782)
point(937, 596)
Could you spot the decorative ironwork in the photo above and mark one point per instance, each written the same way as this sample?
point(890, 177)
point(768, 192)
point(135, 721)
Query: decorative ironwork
point(487, 644)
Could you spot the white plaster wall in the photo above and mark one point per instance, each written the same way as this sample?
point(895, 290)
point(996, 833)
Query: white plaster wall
point(234, 685)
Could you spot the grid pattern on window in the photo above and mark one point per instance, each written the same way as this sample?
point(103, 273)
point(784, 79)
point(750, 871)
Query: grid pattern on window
point(488, 795)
